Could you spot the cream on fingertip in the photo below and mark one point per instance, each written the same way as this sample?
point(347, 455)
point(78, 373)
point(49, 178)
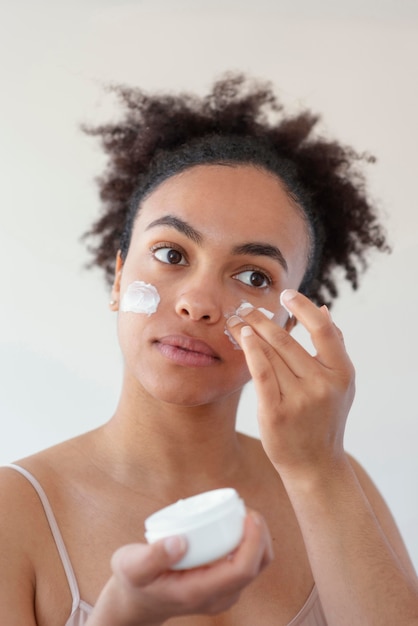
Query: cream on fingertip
point(246, 307)
point(266, 312)
point(287, 294)
point(235, 318)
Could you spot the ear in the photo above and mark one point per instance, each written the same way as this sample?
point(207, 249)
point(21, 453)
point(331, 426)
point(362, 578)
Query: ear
point(290, 323)
point(115, 293)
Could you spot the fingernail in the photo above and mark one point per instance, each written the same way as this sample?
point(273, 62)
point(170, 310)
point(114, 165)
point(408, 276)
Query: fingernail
point(286, 296)
point(245, 309)
point(325, 309)
point(246, 331)
point(175, 546)
point(234, 320)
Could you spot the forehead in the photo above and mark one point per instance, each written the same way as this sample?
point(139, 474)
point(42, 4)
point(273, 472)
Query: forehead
point(231, 204)
point(242, 191)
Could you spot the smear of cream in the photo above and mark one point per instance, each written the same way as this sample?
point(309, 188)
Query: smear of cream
point(244, 305)
point(248, 305)
point(231, 339)
point(140, 297)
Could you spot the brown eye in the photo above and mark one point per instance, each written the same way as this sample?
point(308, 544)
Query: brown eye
point(173, 256)
point(170, 256)
point(257, 279)
point(254, 278)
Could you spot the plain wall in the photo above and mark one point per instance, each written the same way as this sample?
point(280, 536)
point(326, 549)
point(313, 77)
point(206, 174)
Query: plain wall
point(353, 62)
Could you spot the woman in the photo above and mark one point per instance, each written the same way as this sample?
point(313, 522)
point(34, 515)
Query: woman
point(208, 205)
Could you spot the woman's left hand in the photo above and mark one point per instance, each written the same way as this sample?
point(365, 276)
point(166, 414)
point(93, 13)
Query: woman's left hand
point(303, 400)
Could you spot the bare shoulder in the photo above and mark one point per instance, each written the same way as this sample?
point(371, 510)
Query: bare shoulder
point(18, 506)
point(62, 459)
point(383, 515)
point(27, 552)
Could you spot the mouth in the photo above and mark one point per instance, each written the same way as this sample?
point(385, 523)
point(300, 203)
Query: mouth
point(187, 351)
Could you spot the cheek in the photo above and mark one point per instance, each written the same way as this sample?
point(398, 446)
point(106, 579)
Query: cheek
point(239, 373)
point(140, 297)
point(131, 329)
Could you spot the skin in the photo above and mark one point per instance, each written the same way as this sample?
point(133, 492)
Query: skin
point(314, 515)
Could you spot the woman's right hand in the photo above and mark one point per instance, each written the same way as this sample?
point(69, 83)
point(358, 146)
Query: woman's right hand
point(143, 590)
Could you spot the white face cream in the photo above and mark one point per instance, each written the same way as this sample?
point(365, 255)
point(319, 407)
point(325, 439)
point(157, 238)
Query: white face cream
point(242, 306)
point(211, 522)
point(140, 297)
point(248, 305)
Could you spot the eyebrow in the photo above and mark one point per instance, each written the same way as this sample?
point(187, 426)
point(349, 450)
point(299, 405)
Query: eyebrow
point(178, 224)
point(250, 248)
point(261, 249)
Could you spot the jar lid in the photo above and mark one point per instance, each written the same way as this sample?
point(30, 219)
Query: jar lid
point(194, 511)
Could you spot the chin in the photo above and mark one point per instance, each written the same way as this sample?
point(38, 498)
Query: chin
point(186, 398)
point(188, 388)
point(190, 394)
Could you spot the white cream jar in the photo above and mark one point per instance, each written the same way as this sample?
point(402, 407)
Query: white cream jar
point(212, 523)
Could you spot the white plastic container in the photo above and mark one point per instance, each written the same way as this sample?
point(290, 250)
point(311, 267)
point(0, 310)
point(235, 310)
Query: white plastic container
point(212, 523)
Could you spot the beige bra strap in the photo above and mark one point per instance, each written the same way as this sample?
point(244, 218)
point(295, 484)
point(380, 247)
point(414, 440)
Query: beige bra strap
point(65, 559)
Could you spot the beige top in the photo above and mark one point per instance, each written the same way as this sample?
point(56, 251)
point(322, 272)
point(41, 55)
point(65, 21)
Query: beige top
point(311, 613)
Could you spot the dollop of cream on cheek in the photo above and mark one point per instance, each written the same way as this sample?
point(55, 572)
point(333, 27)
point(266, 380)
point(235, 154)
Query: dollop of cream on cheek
point(140, 297)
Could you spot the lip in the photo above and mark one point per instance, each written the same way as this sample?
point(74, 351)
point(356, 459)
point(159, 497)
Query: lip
point(187, 351)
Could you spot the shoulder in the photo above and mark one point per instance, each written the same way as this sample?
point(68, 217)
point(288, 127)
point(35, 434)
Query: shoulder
point(28, 557)
point(18, 499)
point(21, 511)
point(56, 463)
point(18, 524)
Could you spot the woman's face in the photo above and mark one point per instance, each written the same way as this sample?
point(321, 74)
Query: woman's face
point(208, 239)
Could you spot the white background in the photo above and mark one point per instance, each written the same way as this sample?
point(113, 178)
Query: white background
point(355, 62)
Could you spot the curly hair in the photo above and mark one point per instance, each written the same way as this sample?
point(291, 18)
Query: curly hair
point(239, 121)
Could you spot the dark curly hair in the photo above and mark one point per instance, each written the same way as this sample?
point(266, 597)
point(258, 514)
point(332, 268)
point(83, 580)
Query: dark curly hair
point(239, 121)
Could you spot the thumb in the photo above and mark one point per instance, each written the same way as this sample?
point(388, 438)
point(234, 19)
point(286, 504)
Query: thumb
point(139, 563)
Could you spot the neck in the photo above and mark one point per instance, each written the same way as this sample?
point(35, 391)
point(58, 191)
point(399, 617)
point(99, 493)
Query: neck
point(173, 448)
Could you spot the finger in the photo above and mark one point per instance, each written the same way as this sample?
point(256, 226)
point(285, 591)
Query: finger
point(325, 336)
point(139, 564)
point(253, 554)
point(265, 333)
point(271, 376)
point(324, 309)
point(217, 586)
point(278, 343)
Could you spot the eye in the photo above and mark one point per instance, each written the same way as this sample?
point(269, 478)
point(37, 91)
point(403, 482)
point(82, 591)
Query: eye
point(254, 278)
point(167, 254)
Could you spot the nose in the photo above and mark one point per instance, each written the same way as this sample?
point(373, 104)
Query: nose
point(199, 303)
